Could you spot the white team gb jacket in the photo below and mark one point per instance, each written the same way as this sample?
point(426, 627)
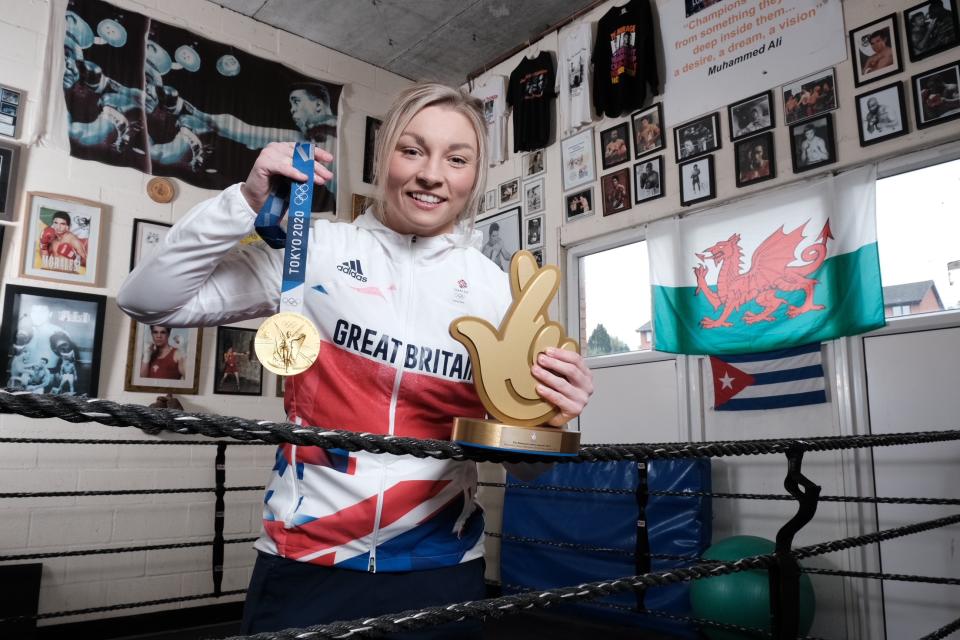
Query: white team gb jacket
point(383, 303)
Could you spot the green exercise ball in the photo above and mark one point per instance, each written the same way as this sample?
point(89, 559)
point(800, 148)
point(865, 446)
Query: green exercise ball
point(743, 598)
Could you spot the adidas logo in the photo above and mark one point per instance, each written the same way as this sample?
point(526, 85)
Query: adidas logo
point(352, 268)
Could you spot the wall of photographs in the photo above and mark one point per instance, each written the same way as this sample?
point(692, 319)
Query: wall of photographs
point(61, 331)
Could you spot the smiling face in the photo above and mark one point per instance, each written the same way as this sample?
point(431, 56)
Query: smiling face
point(431, 173)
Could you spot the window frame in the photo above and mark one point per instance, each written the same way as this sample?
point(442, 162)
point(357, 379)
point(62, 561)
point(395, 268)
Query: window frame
point(572, 286)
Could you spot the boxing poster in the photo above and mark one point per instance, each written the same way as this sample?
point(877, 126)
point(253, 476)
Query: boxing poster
point(148, 95)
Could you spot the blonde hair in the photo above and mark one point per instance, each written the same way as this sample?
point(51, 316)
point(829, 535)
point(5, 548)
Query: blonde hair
point(407, 105)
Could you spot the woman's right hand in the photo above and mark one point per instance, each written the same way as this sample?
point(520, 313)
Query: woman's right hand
point(276, 159)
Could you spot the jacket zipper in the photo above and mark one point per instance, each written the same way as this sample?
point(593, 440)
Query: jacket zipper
point(408, 295)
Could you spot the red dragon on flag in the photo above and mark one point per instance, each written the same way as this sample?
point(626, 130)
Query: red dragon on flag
point(769, 273)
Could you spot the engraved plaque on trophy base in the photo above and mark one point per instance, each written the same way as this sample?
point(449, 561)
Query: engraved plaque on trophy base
point(495, 435)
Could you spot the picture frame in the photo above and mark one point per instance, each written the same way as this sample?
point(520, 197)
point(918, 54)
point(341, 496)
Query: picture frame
point(12, 101)
point(237, 372)
point(810, 151)
point(534, 197)
point(755, 160)
point(9, 169)
point(51, 340)
point(810, 96)
point(931, 27)
point(697, 181)
point(509, 192)
point(697, 137)
point(501, 237)
point(615, 145)
point(163, 359)
point(280, 389)
point(147, 237)
point(615, 188)
point(875, 50)
point(358, 204)
point(62, 239)
point(648, 180)
point(490, 200)
point(579, 204)
point(534, 164)
point(647, 125)
point(576, 156)
point(751, 115)
point(538, 256)
point(881, 114)
point(369, 147)
point(533, 232)
point(935, 96)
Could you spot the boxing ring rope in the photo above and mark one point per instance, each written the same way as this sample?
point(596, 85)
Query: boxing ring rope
point(782, 565)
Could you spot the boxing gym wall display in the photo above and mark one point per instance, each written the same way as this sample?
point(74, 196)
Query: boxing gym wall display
point(647, 127)
point(751, 115)
point(9, 162)
point(11, 108)
point(648, 179)
point(697, 137)
point(579, 204)
point(936, 98)
point(615, 189)
point(509, 192)
point(534, 197)
point(754, 159)
point(697, 182)
point(50, 340)
point(615, 145)
point(62, 239)
point(875, 50)
point(809, 96)
point(812, 143)
point(237, 370)
point(576, 156)
point(501, 237)
point(931, 27)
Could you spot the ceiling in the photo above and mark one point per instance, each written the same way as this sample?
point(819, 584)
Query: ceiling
point(438, 40)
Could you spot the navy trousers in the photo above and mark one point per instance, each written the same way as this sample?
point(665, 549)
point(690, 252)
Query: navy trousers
point(287, 594)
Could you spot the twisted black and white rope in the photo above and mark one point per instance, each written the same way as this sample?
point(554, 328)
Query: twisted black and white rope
point(111, 550)
point(119, 492)
point(79, 409)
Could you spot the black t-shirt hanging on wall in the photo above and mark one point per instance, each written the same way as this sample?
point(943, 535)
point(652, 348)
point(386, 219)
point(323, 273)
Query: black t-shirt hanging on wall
point(624, 59)
point(530, 95)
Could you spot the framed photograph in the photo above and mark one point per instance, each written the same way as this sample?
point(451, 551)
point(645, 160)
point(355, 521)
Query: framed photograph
point(875, 50)
point(237, 370)
point(9, 163)
point(509, 192)
point(936, 97)
point(490, 200)
point(615, 145)
point(358, 205)
point(147, 236)
point(501, 237)
point(615, 188)
point(163, 359)
point(576, 155)
point(809, 97)
point(538, 256)
point(697, 137)
point(579, 204)
point(812, 143)
point(534, 197)
point(281, 386)
point(755, 160)
point(533, 232)
point(931, 28)
point(534, 164)
point(696, 181)
point(752, 115)
point(881, 114)
point(50, 340)
point(369, 145)
point(647, 179)
point(12, 103)
point(62, 239)
point(647, 130)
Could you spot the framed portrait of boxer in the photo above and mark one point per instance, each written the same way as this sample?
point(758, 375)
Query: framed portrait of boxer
point(62, 239)
point(162, 359)
point(237, 370)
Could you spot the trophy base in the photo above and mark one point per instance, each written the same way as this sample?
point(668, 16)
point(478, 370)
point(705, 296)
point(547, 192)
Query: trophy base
point(486, 434)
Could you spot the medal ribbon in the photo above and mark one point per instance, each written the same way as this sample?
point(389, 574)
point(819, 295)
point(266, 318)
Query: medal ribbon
point(299, 198)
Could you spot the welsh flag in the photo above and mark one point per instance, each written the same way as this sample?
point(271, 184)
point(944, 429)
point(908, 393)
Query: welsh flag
point(783, 269)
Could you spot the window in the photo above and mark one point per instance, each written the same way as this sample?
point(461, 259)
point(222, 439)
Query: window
point(615, 300)
point(918, 235)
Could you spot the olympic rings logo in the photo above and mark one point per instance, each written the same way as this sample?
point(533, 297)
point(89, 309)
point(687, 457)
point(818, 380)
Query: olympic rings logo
point(290, 301)
point(301, 194)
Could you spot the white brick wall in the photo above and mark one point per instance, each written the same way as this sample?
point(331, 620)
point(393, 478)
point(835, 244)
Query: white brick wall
point(59, 524)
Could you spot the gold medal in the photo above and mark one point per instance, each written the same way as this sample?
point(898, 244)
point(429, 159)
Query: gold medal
point(287, 343)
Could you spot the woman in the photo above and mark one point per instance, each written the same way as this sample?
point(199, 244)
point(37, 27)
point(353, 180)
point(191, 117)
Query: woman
point(355, 535)
point(160, 358)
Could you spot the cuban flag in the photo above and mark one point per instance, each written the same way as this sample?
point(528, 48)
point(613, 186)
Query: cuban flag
point(770, 380)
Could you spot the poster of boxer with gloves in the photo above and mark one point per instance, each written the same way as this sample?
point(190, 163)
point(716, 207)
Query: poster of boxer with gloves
point(62, 242)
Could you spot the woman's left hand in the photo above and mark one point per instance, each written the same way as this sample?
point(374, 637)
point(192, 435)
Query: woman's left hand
point(564, 381)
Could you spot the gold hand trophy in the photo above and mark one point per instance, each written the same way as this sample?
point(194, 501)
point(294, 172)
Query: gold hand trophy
point(501, 362)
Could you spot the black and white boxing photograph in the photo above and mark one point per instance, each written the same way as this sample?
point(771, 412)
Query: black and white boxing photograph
point(931, 28)
point(881, 114)
point(752, 115)
point(697, 137)
point(697, 181)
